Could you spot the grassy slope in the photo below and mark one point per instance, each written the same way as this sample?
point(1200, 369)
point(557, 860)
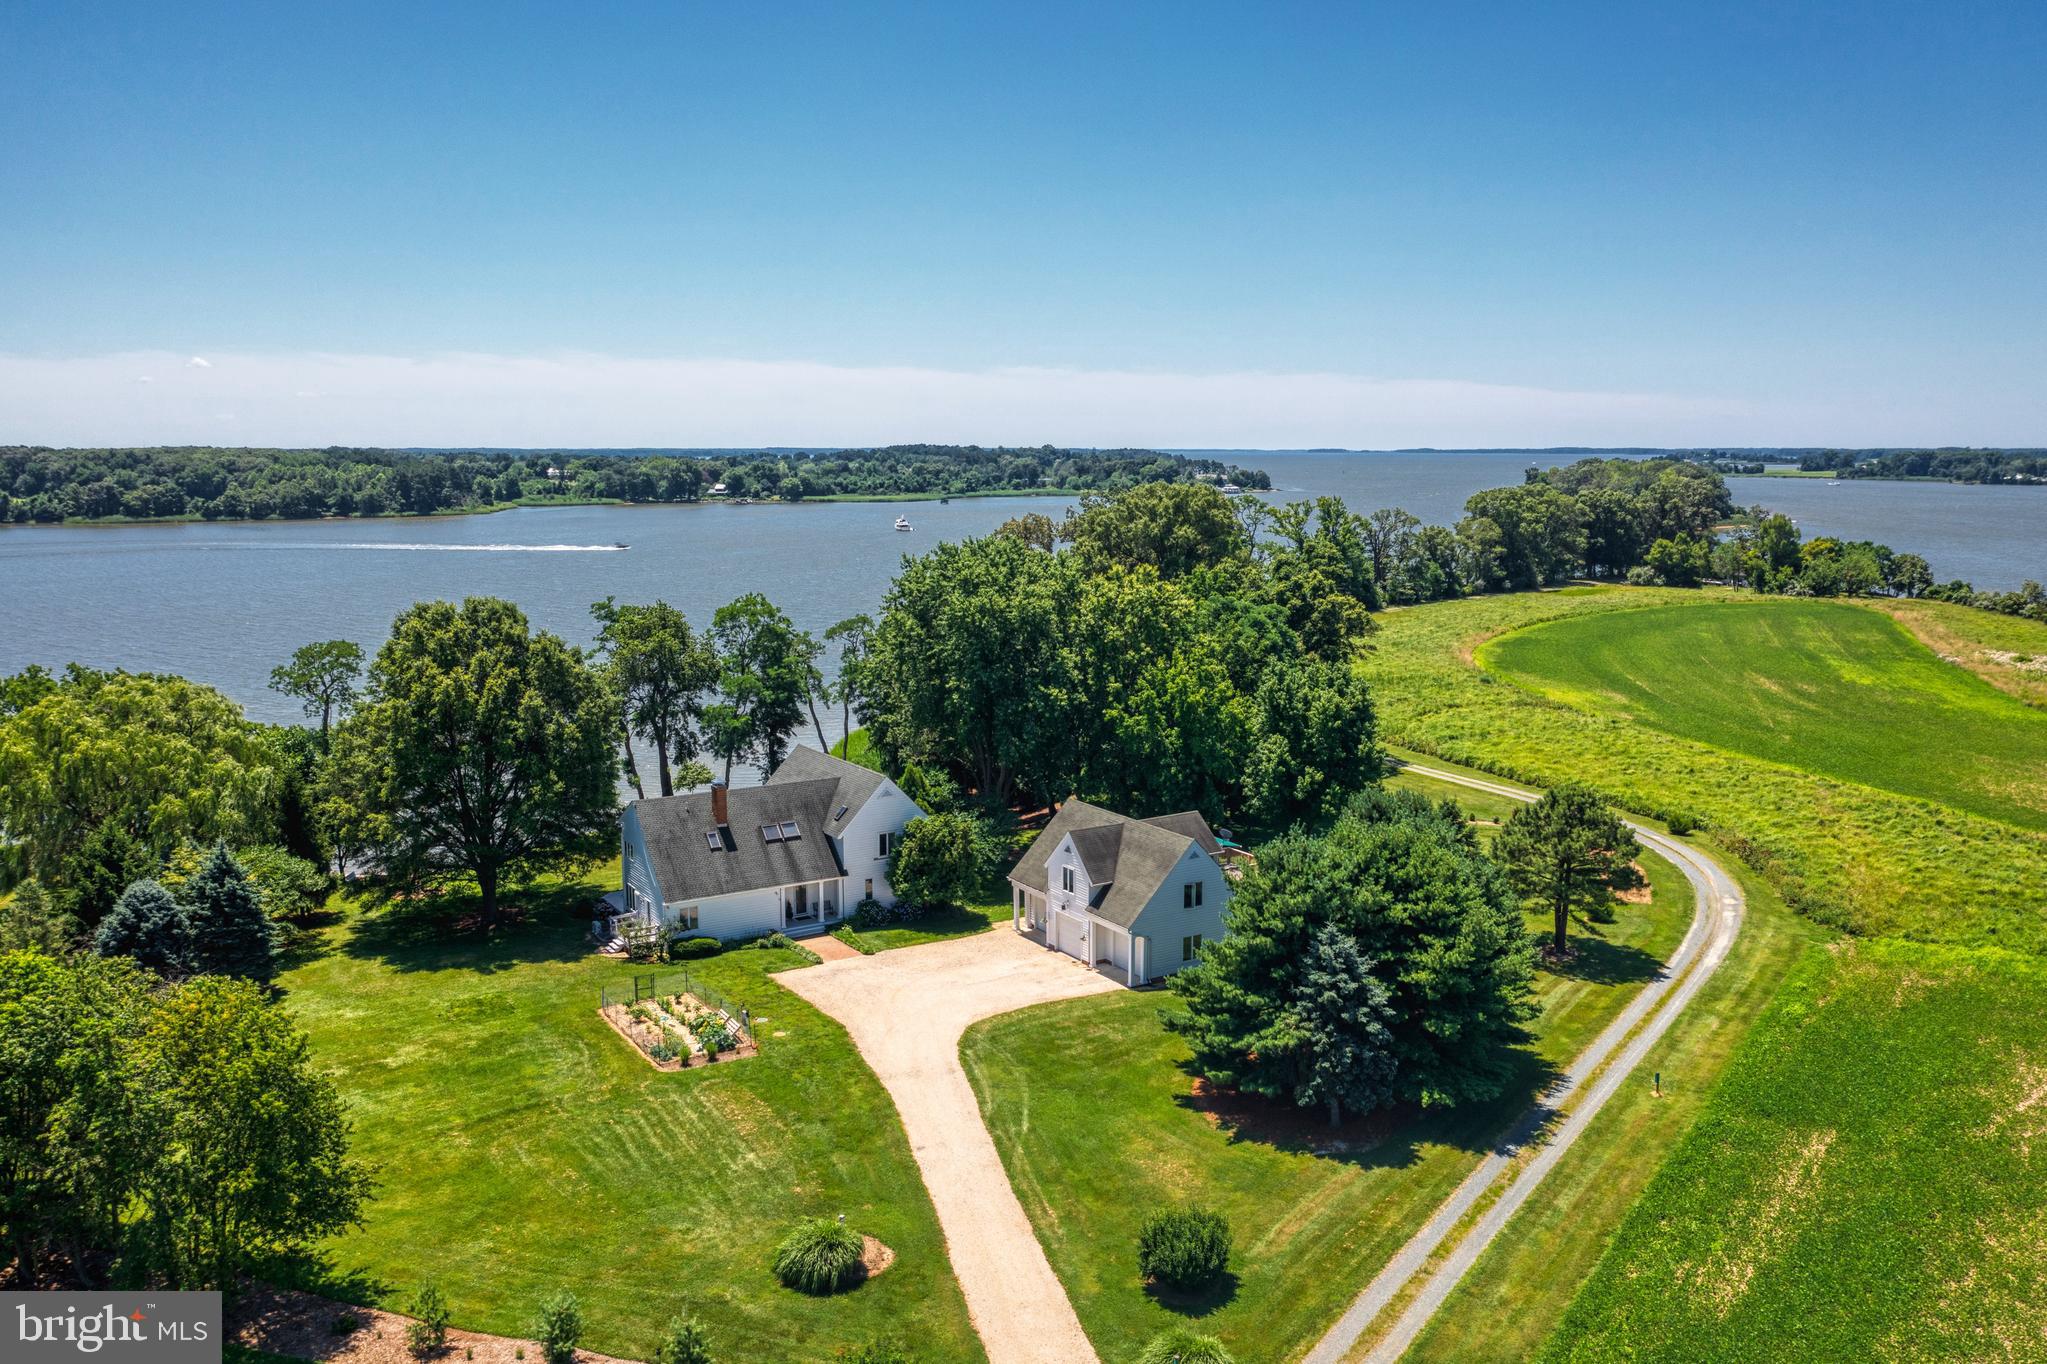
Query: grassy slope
point(1822, 686)
point(522, 1147)
point(1847, 853)
point(1867, 1183)
point(1087, 1103)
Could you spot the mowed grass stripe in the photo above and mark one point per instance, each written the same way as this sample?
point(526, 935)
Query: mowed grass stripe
point(1867, 1182)
point(522, 1147)
point(1821, 686)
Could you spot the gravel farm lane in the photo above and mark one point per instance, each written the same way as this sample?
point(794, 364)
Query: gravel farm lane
point(1579, 1095)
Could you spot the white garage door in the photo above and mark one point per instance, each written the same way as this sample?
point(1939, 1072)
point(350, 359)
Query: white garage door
point(1069, 934)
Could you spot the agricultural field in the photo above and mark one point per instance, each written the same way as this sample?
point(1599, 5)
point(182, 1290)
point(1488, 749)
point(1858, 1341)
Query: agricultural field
point(1096, 1119)
point(1819, 685)
point(1868, 1182)
point(522, 1146)
point(1849, 854)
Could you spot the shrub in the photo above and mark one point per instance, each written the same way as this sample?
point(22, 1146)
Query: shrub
point(942, 859)
point(683, 1342)
point(662, 1051)
point(1183, 1345)
point(1184, 1248)
point(1681, 823)
point(819, 1256)
point(427, 1334)
point(561, 1328)
point(344, 1323)
point(685, 949)
point(714, 1038)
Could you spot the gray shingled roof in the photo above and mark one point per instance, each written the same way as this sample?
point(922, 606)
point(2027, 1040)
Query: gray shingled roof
point(856, 783)
point(1135, 856)
point(675, 828)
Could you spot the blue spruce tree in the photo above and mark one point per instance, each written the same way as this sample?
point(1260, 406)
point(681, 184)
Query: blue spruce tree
point(230, 935)
point(146, 924)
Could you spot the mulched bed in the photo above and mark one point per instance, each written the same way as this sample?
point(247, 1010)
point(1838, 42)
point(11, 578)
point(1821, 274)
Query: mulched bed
point(283, 1321)
point(1253, 1117)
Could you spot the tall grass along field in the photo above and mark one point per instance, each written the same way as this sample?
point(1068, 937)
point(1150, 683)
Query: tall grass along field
point(1657, 723)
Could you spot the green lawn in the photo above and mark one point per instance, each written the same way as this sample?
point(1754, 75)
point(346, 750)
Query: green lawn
point(936, 926)
point(521, 1146)
point(1090, 1108)
point(1869, 1182)
point(1823, 686)
point(1846, 853)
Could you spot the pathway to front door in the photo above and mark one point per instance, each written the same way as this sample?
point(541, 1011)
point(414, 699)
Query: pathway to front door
point(905, 1010)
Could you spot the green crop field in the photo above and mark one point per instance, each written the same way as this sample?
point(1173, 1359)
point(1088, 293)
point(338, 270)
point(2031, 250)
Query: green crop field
point(1847, 853)
point(521, 1146)
point(1092, 1112)
point(1820, 685)
point(1868, 1182)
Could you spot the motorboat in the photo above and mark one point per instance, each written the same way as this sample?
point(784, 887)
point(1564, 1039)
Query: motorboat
point(902, 523)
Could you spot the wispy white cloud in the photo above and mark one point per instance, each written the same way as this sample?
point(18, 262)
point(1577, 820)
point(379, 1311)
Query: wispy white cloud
point(199, 362)
point(601, 400)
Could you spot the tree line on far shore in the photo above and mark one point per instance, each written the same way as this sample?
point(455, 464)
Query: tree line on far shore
point(40, 484)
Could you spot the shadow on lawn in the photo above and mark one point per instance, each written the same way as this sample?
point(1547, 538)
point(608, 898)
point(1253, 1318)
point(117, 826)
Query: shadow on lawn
point(1199, 1304)
point(1387, 1138)
point(440, 932)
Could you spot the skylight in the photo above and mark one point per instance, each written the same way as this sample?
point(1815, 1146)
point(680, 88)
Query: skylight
point(839, 814)
point(789, 829)
point(711, 837)
point(771, 833)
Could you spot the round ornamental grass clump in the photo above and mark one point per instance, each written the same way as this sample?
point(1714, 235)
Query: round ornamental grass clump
point(819, 1256)
point(1182, 1345)
point(1186, 1249)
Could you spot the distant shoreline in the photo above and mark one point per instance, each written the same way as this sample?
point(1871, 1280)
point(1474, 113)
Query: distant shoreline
point(194, 519)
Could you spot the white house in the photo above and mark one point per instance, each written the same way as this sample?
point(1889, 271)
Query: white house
point(796, 854)
point(1136, 896)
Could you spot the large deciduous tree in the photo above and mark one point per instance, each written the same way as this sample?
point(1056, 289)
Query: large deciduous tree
point(764, 675)
point(1174, 528)
point(323, 676)
point(480, 747)
point(942, 860)
point(1568, 854)
point(119, 768)
point(661, 672)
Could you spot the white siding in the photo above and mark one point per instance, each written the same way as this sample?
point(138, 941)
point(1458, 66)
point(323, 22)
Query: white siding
point(733, 916)
point(886, 811)
point(1167, 921)
point(636, 871)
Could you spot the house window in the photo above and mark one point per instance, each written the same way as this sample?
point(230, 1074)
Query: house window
point(869, 892)
point(887, 839)
point(1190, 894)
point(1190, 947)
point(686, 919)
point(1066, 879)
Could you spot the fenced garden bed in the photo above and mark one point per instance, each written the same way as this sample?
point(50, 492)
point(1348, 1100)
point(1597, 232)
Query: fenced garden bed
point(676, 1021)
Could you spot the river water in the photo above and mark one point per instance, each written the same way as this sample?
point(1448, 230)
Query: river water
point(224, 603)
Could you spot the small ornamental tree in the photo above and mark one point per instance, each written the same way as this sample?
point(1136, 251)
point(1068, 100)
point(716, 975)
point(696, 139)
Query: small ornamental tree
point(1184, 1248)
point(560, 1328)
point(1568, 853)
point(149, 927)
point(683, 1342)
point(941, 860)
point(427, 1333)
point(230, 935)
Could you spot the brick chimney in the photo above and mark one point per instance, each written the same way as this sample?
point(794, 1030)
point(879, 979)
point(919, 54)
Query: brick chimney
point(718, 816)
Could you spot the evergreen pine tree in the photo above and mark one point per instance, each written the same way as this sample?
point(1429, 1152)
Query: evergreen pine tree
point(230, 935)
point(1346, 1057)
point(146, 924)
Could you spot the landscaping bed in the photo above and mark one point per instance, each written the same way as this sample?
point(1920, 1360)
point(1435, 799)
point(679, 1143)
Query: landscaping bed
point(677, 1031)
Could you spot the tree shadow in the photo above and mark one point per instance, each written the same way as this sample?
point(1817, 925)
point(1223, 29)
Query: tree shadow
point(315, 1271)
point(1199, 1303)
point(438, 932)
point(1597, 961)
point(1391, 1137)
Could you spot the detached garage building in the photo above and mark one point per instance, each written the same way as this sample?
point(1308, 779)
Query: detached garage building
point(1134, 897)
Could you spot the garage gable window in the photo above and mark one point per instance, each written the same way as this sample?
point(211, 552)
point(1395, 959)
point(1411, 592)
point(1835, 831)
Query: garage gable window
point(1190, 894)
point(1066, 879)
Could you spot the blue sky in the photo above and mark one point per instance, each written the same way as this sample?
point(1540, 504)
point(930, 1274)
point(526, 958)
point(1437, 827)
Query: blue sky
point(1177, 224)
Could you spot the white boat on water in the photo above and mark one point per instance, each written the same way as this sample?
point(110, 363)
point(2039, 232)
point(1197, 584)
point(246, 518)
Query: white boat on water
point(1230, 490)
point(902, 523)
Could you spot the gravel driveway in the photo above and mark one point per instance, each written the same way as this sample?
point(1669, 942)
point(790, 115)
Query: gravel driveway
point(906, 1010)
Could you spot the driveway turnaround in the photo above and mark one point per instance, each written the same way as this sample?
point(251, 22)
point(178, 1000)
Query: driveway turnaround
point(1583, 1091)
point(905, 1010)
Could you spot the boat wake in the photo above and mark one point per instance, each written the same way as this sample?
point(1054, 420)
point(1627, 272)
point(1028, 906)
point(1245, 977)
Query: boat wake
point(468, 549)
